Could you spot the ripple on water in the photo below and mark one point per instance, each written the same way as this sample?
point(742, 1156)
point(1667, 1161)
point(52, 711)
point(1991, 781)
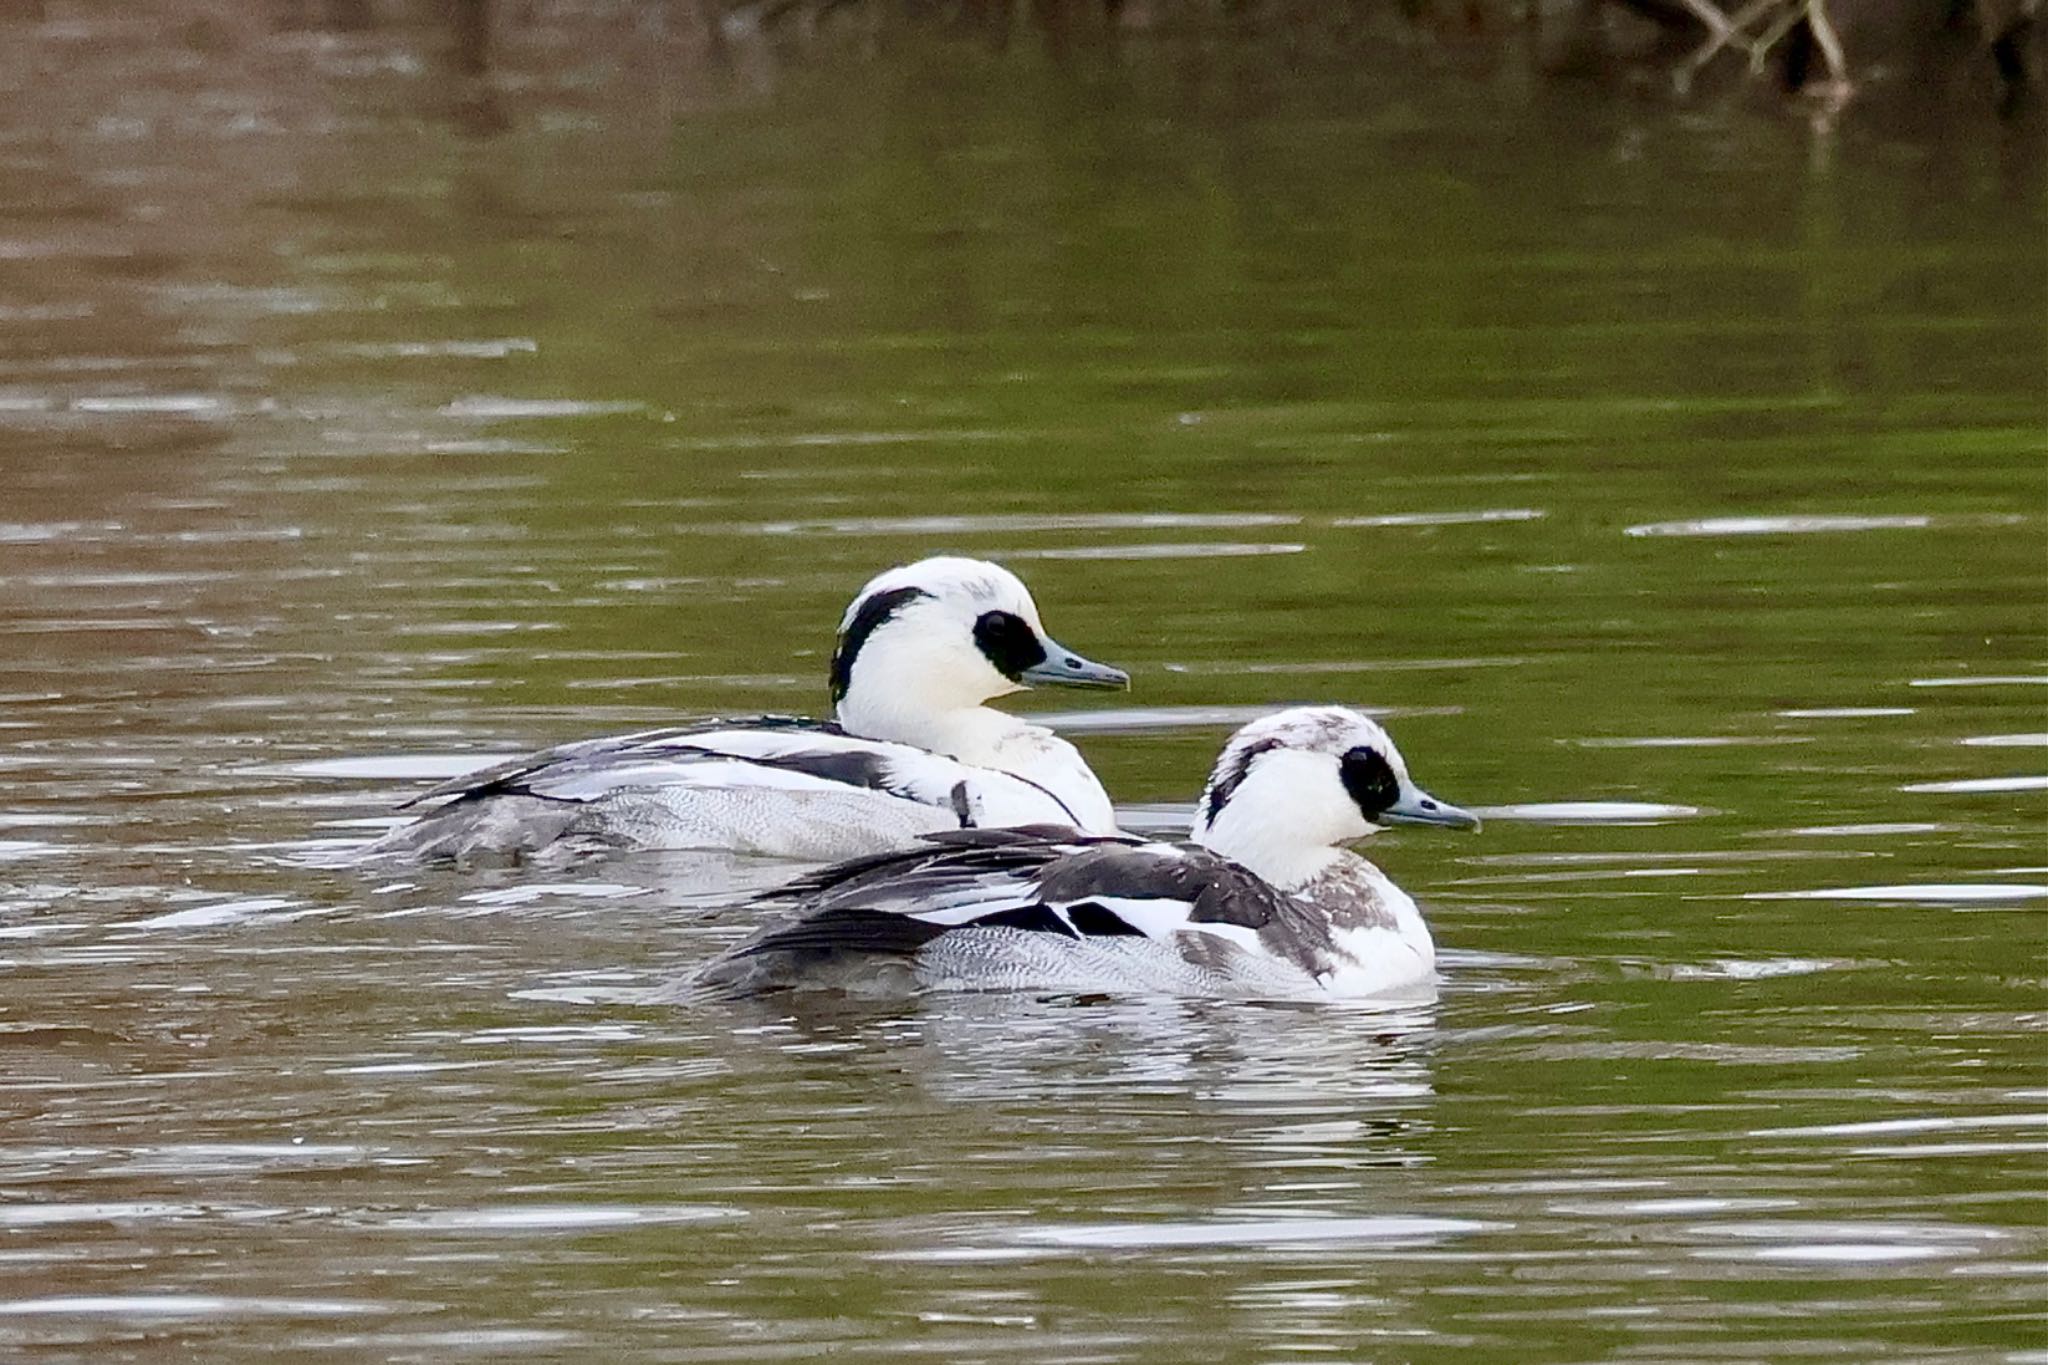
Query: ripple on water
point(807, 440)
point(478, 446)
point(472, 628)
point(494, 348)
point(1778, 525)
point(2034, 740)
point(1390, 1230)
point(188, 1306)
point(223, 1158)
point(1677, 1206)
point(1932, 893)
point(1753, 969)
point(1004, 523)
point(1871, 831)
point(160, 404)
point(1590, 812)
point(553, 1033)
point(230, 912)
point(567, 1218)
point(43, 532)
point(1934, 1123)
point(1166, 550)
point(1234, 667)
point(1141, 719)
point(1846, 1242)
point(487, 407)
point(1483, 515)
point(1632, 856)
point(2028, 782)
point(1689, 741)
point(503, 897)
point(56, 1215)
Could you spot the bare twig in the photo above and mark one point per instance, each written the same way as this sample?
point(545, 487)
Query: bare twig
point(1760, 47)
point(1732, 34)
point(1711, 15)
point(1825, 37)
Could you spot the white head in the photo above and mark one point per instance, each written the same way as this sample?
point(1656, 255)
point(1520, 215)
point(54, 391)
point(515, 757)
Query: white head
point(1291, 786)
point(945, 634)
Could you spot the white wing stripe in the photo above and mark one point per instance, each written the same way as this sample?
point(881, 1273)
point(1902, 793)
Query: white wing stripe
point(1154, 917)
point(955, 912)
point(1160, 918)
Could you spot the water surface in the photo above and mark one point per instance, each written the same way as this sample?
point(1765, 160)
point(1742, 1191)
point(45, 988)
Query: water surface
point(1673, 482)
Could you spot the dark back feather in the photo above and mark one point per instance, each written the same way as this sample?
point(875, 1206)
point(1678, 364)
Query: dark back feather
point(835, 932)
point(940, 858)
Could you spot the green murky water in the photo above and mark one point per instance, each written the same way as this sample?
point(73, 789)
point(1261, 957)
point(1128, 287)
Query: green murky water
point(1672, 478)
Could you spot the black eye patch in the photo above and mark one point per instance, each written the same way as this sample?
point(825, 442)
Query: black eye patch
point(1009, 642)
point(1370, 780)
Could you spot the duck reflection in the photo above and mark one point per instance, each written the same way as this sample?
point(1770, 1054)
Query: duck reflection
point(1303, 1097)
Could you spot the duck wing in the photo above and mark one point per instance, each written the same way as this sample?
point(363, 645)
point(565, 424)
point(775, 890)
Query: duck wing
point(786, 753)
point(512, 776)
point(1040, 880)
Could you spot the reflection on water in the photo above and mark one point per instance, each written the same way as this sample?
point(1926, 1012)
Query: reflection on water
point(384, 395)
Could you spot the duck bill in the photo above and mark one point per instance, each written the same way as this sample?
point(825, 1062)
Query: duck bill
point(1062, 667)
point(1418, 807)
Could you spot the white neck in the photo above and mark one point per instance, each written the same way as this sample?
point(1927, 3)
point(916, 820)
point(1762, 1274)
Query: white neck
point(972, 734)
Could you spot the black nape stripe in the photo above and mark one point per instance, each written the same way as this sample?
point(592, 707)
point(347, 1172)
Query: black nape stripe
point(874, 612)
point(1370, 780)
point(1009, 642)
point(1226, 784)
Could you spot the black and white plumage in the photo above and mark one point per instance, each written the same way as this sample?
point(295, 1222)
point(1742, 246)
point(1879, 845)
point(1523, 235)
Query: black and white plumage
point(911, 750)
point(1264, 903)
